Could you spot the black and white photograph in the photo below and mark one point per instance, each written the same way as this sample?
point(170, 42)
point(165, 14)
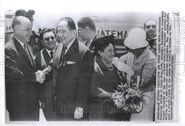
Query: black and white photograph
point(89, 66)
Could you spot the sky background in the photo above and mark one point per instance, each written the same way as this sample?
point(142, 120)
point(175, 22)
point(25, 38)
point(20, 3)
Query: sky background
point(127, 18)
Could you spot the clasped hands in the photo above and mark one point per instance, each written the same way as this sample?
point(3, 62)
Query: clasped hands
point(41, 74)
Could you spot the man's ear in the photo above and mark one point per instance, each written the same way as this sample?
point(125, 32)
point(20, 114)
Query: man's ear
point(16, 28)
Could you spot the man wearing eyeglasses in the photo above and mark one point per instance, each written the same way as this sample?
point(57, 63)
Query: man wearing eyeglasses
point(150, 27)
point(44, 62)
point(72, 62)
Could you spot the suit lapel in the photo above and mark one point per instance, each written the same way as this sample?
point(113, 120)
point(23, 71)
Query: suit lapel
point(57, 55)
point(47, 58)
point(92, 43)
point(72, 54)
point(21, 51)
point(73, 51)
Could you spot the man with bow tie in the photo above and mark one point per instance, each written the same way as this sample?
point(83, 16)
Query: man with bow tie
point(44, 62)
point(21, 75)
point(72, 63)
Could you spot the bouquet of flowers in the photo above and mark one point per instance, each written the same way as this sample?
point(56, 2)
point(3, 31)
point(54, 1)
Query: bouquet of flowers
point(127, 99)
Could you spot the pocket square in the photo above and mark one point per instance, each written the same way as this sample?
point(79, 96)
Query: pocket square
point(70, 62)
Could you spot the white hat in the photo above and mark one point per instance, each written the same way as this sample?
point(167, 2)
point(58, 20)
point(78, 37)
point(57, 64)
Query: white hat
point(136, 39)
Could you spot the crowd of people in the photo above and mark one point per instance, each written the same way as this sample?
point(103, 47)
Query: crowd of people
point(73, 76)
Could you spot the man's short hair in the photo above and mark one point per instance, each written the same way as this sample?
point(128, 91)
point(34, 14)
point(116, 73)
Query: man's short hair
point(149, 20)
point(87, 22)
point(70, 23)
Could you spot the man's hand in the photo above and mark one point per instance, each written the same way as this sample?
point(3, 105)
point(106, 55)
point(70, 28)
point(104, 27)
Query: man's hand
point(78, 114)
point(40, 76)
point(47, 70)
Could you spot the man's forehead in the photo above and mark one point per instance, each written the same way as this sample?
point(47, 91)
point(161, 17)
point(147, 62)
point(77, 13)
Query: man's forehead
point(23, 19)
point(62, 23)
point(48, 33)
point(151, 22)
point(26, 23)
point(26, 26)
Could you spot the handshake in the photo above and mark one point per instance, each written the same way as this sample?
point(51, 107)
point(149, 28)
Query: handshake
point(41, 74)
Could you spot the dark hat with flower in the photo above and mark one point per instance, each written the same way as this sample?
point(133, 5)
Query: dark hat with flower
point(102, 42)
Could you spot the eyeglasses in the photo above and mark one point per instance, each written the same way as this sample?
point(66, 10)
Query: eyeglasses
point(48, 38)
point(150, 26)
point(43, 31)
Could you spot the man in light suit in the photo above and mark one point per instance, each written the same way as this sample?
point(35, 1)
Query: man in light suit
point(72, 62)
point(44, 62)
point(20, 74)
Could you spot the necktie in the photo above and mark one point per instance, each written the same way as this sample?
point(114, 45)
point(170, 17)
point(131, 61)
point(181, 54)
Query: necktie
point(51, 54)
point(28, 53)
point(87, 43)
point(62, 59)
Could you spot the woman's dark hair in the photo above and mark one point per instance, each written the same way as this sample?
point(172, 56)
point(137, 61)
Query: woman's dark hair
point(45, 30)
point(101, 43)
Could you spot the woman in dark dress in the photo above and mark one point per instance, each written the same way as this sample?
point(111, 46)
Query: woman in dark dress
point(104, 81)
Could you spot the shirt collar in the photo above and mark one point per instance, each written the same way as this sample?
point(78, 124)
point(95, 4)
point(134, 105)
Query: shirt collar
point(22, 43)
point(92, 38)
point(49, 51)
point(69, 45)
point(154, 38)
point(89, 43)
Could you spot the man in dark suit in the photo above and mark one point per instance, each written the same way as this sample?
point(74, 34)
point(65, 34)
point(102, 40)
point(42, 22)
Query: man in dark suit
point(87, 31)
point(44, 62)
point(20, 74)
point(72, 62)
